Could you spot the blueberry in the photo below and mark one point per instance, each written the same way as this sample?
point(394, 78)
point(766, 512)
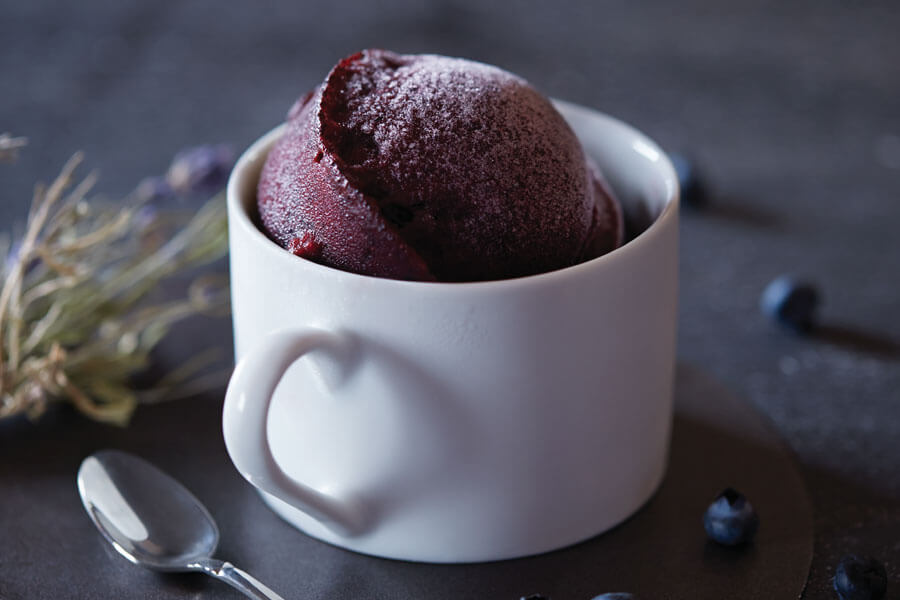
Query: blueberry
point(860, 578)
point(791, 302)
point(693, 190)
point(730, 520)
point(614, 596)
point(535, 597)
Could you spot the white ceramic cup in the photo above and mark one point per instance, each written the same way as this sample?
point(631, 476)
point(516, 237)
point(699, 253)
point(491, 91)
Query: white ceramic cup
point(458, 422)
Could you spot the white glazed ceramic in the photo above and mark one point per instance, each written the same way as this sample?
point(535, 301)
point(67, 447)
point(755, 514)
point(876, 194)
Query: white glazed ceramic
point(458, 422)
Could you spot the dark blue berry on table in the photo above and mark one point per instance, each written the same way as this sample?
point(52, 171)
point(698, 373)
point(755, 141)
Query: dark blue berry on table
point(730, 520)
point(693, 190)
point(860, 578)
point(791, 302)
point(614, 596)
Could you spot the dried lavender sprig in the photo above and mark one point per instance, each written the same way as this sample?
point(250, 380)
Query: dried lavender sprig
point(42, 203)
point(10, 146)
point(74, 321)
point(200, 170)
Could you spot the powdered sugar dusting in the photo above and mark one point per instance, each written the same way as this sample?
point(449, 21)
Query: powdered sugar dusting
point(457, 165)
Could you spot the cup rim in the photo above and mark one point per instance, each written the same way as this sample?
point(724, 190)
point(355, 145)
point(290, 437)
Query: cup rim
point(258, 151)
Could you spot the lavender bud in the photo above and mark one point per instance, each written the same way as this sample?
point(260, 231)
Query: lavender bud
point(202, 170)
point(145, 217)
point(154, 189)
point(12, 257)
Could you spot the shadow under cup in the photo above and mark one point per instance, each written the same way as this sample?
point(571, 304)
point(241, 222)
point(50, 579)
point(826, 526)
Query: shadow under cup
point(459, 422)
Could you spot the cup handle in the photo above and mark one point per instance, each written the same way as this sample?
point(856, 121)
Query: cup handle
point(244, 420)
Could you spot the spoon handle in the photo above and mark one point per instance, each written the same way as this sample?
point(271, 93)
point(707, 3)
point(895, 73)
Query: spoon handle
point(236, 578)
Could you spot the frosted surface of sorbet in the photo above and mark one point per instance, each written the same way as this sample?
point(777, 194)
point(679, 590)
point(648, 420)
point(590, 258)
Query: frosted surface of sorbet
point(431, 168)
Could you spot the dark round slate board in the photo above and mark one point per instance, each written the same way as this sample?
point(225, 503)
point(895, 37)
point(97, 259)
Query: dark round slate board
point(51, 550)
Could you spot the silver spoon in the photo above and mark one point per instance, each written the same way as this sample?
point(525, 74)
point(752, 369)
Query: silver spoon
point(153, 521)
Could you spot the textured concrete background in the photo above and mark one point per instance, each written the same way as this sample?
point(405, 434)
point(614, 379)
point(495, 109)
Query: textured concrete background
point(792, 109)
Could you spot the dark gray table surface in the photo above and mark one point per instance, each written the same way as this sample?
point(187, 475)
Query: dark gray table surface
point(52, 550)
point(792, 109)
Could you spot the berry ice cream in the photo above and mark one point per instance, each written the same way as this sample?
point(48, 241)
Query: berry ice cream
point(431, 168)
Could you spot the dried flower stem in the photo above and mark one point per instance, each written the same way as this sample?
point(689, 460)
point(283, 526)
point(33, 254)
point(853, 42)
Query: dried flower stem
point(74, 321)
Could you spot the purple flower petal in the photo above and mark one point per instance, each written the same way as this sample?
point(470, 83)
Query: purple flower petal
point(154, 189)
point(202, 170)
point(145, 216)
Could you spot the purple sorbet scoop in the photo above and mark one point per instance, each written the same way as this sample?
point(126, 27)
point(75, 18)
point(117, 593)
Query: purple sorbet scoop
point(431, 168)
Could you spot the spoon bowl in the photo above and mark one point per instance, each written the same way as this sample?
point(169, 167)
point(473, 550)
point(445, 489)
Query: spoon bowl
point(161, 531)
point(154, 521)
